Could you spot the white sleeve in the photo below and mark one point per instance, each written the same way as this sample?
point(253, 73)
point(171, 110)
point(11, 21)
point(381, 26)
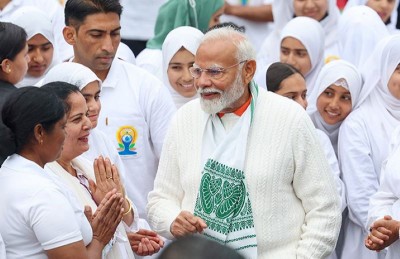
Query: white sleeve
point(165, 199)
point(387, 197)
point(52, 219)
point(315, 187)
point(159, 112)
point(334, 166)
point(359, 176)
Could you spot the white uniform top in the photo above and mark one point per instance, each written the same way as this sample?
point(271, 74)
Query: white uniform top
point(255, 31)
point(2, 248)
point(55, 12)
point(386, 201)
point(37, 212)
point(139, 18)
point(135, 115)
point(364, 139)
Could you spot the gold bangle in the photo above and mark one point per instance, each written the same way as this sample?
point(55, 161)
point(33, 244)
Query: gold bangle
point(129, 209)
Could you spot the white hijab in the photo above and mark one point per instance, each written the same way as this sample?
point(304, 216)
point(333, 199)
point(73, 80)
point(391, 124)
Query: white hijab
point(330, 73)
point(376, 74)
point(393, 18)
point(360, 29)
point(35, 21)
point(184, 36)
point(313, 40)
point(283, 12)
point(72, 73)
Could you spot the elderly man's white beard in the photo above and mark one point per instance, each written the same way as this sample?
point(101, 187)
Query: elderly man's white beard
point(226, 99)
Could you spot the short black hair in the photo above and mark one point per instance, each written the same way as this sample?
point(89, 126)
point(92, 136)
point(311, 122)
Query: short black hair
point(24, 109)
point(276, 73)
point(76, 11)
point(12, 40)
point(62, 90)
point(198, 247)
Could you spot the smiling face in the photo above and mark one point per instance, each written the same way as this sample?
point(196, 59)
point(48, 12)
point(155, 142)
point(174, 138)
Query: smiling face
point(77, 128)
point(178, 73)
point(40, 51)
point(384, 8)
point(294, 53)
point(91, 92)
point(315, 9)
point(224, 94)
point(334, 104)
point(294, 87)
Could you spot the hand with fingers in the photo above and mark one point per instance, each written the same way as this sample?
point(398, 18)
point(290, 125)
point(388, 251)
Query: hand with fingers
point(186, 223)
point(107, 217)
point(383, 233)
point(107, 179)
point(145, 242)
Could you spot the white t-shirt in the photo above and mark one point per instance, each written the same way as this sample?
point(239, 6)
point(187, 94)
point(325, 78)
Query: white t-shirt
point(256, 31)
point(138, 18)
point(37, 213)
point(135, 115)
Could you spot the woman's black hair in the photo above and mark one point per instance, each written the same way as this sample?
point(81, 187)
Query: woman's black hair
point(24, 109)
point(62, 90)
point(277, 72)
point(12, 40)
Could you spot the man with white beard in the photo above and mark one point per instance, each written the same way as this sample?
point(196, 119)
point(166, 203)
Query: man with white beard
point(243, 166)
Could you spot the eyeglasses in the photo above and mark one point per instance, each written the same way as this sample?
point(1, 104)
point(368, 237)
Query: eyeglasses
point(214, 72)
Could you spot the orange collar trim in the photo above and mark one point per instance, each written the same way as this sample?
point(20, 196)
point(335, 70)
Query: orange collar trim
point(239, 112)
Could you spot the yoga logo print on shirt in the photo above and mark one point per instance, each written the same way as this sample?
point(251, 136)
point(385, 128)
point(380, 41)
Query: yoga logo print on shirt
point(126, 138)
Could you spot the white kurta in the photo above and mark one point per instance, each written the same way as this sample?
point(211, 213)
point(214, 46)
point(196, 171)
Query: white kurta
point(386, 201)
point(135, 115)
point(37, 212)
point(287, 175)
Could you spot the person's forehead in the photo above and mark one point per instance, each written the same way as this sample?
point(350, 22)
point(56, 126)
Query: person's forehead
point(101, 21)
point(217, 52)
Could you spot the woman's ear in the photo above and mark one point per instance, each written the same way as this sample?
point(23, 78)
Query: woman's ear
point(6, 66)
point(38, 133)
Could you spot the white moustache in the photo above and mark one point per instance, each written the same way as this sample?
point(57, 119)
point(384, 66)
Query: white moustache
point(208, 90)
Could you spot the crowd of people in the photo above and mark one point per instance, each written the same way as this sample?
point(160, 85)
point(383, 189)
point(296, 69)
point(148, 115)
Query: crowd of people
point(199, 129)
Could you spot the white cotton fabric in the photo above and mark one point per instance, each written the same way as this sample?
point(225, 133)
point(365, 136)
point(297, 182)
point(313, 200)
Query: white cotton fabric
point(313, 40)
point(360, 29)
point(393, 18)
point(34, 21)
point(184, 36)
point(37, 211)
point(121, 249)
point(72, 73)
point(330, 73)
point(364, 143)
point(386, 201)
point(283, 12)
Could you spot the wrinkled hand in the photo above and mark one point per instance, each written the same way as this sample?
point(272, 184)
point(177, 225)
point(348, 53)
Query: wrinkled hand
point(107, 179)
point(107, 217)
point(186, 223)
point(383, 233)
point(145, 242)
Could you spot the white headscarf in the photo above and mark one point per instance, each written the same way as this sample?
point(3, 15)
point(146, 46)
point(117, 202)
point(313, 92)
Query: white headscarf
point(376, 73)
point(393, 18)
point(72, 73)
point(184, 36)
point(360, 29)
point(313, 40)
point(35, 21)
point(283, 12)
point(330, 73)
